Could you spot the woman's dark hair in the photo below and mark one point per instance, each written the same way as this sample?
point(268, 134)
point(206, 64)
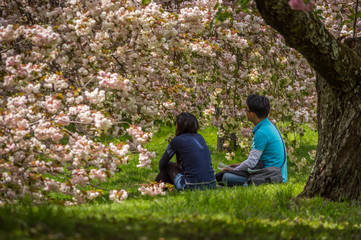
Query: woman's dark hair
point(186, 123)
point(259, 105)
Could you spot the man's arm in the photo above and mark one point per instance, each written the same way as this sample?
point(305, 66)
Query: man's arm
point(251, 161)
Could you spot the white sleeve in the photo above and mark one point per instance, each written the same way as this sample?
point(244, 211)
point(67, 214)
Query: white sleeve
point(251, 161)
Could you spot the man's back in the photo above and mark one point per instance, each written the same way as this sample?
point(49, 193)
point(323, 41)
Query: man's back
point(268, 140)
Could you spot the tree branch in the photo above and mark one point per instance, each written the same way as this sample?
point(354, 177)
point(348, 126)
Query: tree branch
point(334, 61)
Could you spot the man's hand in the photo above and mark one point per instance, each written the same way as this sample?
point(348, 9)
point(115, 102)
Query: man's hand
point(234, 165)
point(227, 169)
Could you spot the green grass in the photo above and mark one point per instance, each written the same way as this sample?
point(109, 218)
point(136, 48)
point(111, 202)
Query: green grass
point(263, 212)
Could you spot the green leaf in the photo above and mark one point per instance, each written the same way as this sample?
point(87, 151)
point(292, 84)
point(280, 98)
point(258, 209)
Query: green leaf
point(211, 25)
point(318, 14)
point(351, 17)
point(216, 6)
point(222, 16)
point(219, 11)
point(244, 5)
point(145, 2)
point(344, 22)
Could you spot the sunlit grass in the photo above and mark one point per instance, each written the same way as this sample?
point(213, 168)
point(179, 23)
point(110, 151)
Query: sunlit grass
point(262, 212)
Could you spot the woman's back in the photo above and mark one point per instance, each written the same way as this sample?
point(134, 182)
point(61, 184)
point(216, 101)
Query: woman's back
point(193, 153)
point(193, 157)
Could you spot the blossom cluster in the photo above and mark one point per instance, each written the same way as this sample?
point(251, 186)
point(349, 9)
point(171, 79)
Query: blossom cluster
point(113, 81)
point(138, 138)
point(118, 195)
point(301, 5)
point(152, 189)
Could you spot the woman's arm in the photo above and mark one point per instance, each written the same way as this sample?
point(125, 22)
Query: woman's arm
point(167, 156)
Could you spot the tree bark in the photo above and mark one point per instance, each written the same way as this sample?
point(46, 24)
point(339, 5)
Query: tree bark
point(336, 173)
point(230, 137)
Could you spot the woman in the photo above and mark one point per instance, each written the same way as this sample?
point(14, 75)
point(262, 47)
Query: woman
point(193, 169)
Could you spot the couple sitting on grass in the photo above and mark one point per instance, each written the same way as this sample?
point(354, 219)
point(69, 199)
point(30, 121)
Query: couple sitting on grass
point(193, 168)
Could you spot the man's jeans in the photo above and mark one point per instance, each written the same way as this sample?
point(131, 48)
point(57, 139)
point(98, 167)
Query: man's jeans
point(230, 180)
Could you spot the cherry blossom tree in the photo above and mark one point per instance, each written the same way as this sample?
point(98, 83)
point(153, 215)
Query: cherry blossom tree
point(74, 71)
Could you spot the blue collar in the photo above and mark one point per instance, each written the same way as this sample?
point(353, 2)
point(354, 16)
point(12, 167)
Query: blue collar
point(261, 123)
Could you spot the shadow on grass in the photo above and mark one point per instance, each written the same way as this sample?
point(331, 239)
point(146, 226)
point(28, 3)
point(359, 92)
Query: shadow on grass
point(64, 223)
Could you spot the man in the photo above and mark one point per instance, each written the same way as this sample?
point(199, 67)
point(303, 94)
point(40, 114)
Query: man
point(268, 147)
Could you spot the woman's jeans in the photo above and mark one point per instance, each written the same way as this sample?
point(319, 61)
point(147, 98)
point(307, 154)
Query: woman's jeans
point(180, 184)
point(173, 174)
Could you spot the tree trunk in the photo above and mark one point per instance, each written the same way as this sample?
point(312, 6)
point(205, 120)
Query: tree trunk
point(230, 137)
point(336, 174)
point(232, 142)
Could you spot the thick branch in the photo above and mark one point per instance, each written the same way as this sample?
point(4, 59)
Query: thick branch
point(338, 64)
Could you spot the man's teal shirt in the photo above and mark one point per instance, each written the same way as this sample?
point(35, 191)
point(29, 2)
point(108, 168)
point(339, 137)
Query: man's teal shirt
point(268, 139)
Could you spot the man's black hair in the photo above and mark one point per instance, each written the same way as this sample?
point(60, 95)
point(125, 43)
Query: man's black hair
point(259, 105)
point(186, 123)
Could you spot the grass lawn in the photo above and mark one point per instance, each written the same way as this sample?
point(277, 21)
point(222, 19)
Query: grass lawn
point(263, 212)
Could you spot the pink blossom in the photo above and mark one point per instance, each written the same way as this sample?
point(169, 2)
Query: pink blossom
point(118, 195)
point(97, 174)
point(246, 132)
point(91, 194)
point(62, 119)
point(301, 5)
point(51, 185)
point(152, 189)
point(79, 177)
point(113, 81)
